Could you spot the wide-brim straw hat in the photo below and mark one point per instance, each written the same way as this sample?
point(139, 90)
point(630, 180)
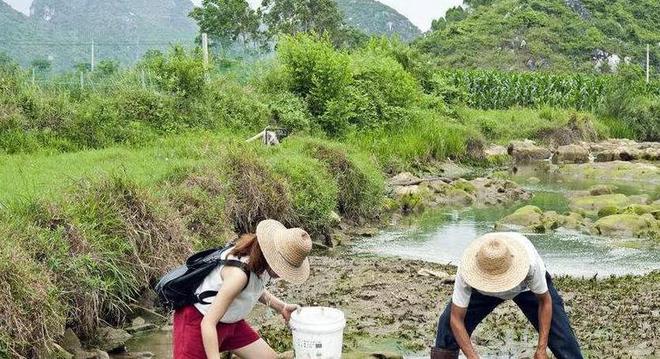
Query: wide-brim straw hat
point(285, 250)
point(495, 263)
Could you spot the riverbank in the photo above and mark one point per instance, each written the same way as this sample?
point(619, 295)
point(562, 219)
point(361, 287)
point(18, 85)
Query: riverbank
point(397, 302)
point(392, 307)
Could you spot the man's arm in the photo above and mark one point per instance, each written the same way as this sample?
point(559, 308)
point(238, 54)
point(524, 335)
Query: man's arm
point(545, 317)
point(461, 335)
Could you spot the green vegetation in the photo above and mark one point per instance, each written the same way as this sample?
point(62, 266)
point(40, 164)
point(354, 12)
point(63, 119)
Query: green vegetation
point(544, 34)
point(104, 188)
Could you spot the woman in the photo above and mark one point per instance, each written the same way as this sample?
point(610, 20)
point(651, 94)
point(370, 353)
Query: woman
point(204, 330)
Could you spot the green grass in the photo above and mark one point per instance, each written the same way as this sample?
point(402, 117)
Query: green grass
point(27, 176)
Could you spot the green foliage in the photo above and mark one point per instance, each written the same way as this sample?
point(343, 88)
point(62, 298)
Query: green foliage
point(313, 191)
point(377, 19)
point(290, 17)
point(314, 70)
point(543, 34)
point(180, 73)
point(226, 20)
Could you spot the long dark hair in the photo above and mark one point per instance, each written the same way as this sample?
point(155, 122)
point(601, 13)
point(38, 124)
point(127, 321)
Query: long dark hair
point(248, 246)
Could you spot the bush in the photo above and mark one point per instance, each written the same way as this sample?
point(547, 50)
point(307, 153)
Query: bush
point(230, 105)
point(254, 193)
point(289, 111)
point(314, 70)
point(32, 315)
point(359, 180)
point(179, 73)
point(312, 191)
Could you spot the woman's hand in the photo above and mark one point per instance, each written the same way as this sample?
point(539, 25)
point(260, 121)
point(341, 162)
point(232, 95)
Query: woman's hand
point(287, 310)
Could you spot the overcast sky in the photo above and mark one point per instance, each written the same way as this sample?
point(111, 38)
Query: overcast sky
point(420, 12)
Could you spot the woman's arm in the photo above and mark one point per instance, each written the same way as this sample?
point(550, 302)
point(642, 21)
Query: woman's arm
point(233, 282)
point(278, 305)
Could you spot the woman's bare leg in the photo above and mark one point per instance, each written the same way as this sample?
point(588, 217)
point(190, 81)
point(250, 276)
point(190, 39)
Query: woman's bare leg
point(257, 350)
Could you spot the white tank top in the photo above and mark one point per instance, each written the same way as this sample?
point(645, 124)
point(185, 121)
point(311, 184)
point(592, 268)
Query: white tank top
point(244, 302)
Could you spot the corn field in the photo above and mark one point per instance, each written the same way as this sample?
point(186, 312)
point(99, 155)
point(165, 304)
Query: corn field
point(487, 89)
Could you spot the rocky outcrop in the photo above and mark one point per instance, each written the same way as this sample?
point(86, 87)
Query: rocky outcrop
point(571, 154)
point(625, 150)
point(591, 205)
point(628, 226)
point(420, 193)
point(112, 339)
point(527, 151)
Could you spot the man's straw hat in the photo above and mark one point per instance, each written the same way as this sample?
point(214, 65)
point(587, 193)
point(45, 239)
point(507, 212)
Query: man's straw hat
point(494, 263)
point(285, 250)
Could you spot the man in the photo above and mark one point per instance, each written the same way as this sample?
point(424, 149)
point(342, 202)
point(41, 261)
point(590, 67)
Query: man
point(498, 267)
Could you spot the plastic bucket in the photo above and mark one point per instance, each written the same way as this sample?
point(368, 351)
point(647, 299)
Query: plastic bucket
point(318, 332)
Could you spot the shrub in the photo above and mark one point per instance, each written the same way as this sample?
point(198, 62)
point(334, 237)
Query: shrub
point(314, 70)
point(254, 193)
point(312, 191)
point(32, 315)
point(178, 73)
point(359, 180)
point(289, 111)
point(228, 104)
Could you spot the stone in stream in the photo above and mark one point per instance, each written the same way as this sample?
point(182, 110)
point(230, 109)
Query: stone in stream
point(590, 205)
point(70, 341)
point(527, 217)
point(601, 189)
point(571, 154)
point(628, 226)
point(527, 151)
point(112, 339)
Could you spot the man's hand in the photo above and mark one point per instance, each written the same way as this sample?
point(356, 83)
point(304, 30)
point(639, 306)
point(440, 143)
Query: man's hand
point(541, 354)
point(287, 310)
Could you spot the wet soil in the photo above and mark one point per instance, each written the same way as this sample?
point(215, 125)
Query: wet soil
point(387, 301)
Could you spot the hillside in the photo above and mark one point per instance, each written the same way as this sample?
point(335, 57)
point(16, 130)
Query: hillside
point(62, 30)
point(375, 18)
point(546, 34)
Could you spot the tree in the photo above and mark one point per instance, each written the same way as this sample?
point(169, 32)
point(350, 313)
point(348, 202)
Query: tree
point(41, 65)
point(294, 16)
point(227, 20)
point(107, 67)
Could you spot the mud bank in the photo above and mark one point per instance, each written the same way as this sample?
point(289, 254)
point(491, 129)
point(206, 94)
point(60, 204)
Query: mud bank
point(394, 304)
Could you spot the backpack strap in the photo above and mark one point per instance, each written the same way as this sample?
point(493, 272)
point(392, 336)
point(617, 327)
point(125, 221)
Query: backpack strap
point(201, 297)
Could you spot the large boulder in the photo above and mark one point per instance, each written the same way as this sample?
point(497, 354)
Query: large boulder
point(591, 205)
point(527, 218)
point(527, 151)
point(571, 154)
point(112, 339)
point(616, 172)
point(627, 226)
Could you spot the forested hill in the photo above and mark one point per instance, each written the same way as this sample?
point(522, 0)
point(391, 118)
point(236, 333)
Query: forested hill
point(62, 31)
point(546, 34)
point(375, 18)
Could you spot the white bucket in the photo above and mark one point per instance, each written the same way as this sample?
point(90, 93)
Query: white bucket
point(318, 332)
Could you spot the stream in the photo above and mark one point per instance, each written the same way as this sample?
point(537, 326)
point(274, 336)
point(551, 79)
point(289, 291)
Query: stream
point(440, 236)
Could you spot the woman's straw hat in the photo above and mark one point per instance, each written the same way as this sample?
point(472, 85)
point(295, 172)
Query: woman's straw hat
point(285, 250)
point(494, 263)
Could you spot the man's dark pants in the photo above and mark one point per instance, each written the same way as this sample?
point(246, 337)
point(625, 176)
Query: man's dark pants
point(562, 341)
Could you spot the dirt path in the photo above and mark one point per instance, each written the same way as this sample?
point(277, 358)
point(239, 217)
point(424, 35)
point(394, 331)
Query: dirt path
point(389, 305)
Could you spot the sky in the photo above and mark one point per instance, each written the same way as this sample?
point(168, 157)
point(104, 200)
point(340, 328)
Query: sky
point(420, 12)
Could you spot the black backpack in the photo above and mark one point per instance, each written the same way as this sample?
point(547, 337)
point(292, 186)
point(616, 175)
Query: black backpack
point(176, 289)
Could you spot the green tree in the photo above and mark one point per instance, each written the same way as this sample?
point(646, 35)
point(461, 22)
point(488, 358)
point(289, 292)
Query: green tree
point(294, 16)
point(83, 67)
point(227, 21)
point(107, 67)
point(41, 65)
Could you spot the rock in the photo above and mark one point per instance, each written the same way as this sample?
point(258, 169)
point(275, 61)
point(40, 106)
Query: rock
point(437, 186)
point(458, 197)
point(405, 179)
point(551, 220)
point(92, 354)
point(607, 211)
point(70, 341)
point(616, 171)
point(601, 189)
point(138, 321)
point(60, 353)
point(100, 354)
point(592, 204)
point(444, 276)
point(526, 151)
point(573, 221)
point(495, 151)
point(112, 339)
point(627, 226)
point(335, 218)
point(141, 328)
point(402, 191)
point(528, 217)
point(571, 154)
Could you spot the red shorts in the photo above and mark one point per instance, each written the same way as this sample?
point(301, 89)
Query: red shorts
point(187, 334)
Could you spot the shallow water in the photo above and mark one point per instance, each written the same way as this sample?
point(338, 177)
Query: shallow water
point(441, 236)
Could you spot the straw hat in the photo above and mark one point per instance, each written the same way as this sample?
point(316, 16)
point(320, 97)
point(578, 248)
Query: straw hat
point(494, 263)
point(285, 250)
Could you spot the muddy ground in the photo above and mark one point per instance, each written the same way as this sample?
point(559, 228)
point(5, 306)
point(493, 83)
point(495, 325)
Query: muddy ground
point(391, 307)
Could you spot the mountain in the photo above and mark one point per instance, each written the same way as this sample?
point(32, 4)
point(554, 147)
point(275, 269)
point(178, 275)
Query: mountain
point(62, 31)
point(375, 18)
point(546, 34)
